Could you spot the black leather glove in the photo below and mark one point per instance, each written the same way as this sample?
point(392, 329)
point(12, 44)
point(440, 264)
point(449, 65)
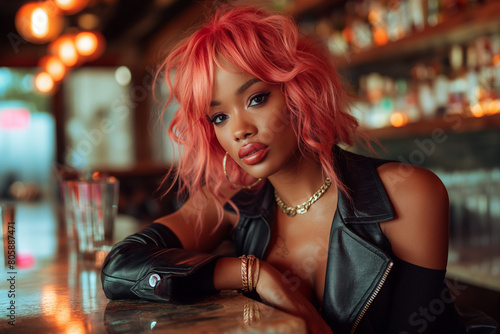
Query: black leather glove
point(152, 265)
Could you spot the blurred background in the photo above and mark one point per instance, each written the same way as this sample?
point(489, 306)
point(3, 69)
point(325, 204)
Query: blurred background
point(76, 96)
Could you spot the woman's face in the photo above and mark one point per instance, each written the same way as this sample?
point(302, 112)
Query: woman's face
point(251, 122)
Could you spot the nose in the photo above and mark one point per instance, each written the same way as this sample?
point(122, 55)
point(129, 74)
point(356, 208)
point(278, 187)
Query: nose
point(242, 127)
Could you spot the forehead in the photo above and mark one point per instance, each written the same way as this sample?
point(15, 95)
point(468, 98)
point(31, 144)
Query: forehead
point(228, 79)
point(224, 64)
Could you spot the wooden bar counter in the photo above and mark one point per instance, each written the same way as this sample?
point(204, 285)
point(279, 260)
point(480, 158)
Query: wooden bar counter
point(52, 290)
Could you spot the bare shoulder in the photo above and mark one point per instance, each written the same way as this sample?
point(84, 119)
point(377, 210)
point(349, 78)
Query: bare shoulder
point(419, 232)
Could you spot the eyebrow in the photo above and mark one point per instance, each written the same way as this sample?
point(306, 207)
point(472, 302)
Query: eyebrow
point(239, 91)
point(246, 85)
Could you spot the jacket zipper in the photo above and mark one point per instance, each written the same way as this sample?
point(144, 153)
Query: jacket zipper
point(372, 297)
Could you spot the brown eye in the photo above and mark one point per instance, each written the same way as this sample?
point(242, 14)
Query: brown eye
point(218, 119)
point(258, 99)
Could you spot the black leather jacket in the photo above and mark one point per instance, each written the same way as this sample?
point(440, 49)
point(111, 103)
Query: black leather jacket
point(367, 289)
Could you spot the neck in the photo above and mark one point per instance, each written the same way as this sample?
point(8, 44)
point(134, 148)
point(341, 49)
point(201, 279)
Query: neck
point(302, 178)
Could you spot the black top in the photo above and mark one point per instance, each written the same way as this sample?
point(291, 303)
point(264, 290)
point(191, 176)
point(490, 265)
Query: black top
point(367, 289)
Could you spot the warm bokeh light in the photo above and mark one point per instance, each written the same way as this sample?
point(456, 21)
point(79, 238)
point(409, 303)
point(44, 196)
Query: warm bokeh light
point(86, 43)
point(64, 48)
point(398, 119)
point(39, 22)
point(89, 44)
point(348, 34)
point(493, 107)
point(380, 36)
point(496, 60)
point(88, 21)
point(44, 82)
point(485, 108)
point(53, 66)
point(375, 17)
point(71, 6)
point(477, 110)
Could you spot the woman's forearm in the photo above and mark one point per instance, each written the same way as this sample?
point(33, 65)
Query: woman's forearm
point(156, 252)
point(227, 274)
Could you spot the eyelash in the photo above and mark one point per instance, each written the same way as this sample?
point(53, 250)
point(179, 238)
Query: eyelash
point(260, 95)
point(215, 118)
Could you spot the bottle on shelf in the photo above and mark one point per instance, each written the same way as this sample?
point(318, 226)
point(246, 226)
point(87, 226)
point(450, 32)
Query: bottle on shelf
point(457, 103)
point(423, 75)
point(466, 82)
point(433, 12)
point(440, 90)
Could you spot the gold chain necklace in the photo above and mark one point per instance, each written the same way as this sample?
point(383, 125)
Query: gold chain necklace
point(304, 207)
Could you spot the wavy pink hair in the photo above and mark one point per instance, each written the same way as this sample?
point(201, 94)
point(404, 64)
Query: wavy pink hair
point(269, 47)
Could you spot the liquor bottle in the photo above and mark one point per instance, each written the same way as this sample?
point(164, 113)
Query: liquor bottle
point(416, 11)
point(440, 88)
point(433, 12)
point(394, 29)
point(472, 92)
point(458, 82)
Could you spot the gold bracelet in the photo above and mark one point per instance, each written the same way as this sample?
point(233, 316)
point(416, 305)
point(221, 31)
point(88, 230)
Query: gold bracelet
point(244, 272)
point(251, 260)
point(257, 273)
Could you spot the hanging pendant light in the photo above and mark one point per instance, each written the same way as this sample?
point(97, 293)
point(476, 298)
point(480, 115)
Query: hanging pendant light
point(44, 83)
point(53, 66)
point(39, 22)
point(71, 6)
point(90, 44)
point(64, 48)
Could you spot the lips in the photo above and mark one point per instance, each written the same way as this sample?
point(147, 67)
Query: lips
point(252, 153)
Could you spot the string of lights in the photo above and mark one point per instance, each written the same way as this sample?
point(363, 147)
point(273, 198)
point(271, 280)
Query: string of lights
point(44, 23)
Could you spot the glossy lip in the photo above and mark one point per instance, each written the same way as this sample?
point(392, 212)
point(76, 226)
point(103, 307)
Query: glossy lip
point(250, 148)
point(253, 153)
point(255, 157)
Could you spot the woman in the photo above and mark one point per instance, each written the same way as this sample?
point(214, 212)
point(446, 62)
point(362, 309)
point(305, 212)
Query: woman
point(350, 244)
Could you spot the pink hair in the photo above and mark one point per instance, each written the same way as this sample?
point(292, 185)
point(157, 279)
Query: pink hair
point(269, 47)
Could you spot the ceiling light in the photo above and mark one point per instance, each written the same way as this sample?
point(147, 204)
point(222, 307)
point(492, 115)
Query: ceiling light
point(44, 82)
point(88, 21)
point(53, 66)
point(39, 22)
point(71, 6)
point(64, 48)
point(89, 44)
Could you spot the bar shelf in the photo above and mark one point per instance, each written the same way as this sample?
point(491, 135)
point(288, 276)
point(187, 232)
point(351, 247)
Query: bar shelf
point(449, 124)
point(478, 20)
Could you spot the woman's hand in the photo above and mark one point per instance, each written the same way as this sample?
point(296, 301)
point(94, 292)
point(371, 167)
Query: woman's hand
point(273, 289)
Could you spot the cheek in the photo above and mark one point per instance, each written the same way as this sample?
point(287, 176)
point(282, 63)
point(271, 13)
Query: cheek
point(221, 138)
point(276, 126)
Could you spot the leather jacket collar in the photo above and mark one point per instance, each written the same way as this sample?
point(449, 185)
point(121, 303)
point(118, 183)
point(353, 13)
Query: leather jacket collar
point(367, 201)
